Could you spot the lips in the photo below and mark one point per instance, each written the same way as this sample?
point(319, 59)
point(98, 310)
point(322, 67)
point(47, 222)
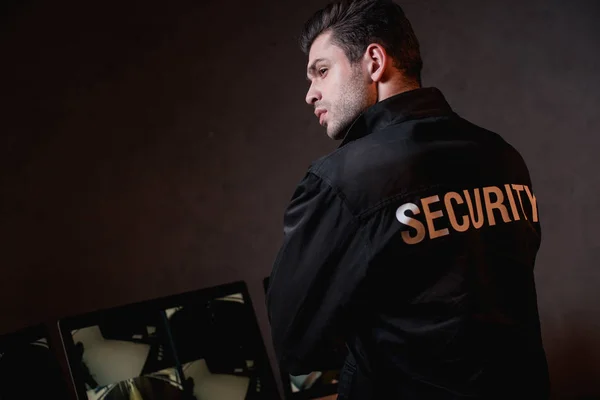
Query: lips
point(320, 113)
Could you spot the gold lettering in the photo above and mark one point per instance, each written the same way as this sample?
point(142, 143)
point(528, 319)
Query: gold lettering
point(490, 206)
point(406, 220)
point(511, 200)
point(533, 201)
point(430, 216)
point(447, 201)
point(477, 223)
point(519, 189)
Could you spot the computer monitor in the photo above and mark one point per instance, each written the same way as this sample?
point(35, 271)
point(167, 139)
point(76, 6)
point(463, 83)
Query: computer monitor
point(29, 368)
point(204, 344)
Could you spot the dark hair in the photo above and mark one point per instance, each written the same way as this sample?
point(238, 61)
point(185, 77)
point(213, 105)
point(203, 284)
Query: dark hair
point(355, 24)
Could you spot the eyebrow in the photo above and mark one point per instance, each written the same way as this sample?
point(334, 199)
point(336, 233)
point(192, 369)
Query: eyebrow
point(312, 68)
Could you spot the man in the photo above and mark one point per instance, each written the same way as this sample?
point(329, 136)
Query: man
point(414, 242)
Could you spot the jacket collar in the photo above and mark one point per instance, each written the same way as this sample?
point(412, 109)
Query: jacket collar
point(413, 104)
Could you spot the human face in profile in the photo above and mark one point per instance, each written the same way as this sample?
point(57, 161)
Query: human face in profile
point(339, 90)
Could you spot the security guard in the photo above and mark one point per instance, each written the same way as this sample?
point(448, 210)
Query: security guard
point(414, 242)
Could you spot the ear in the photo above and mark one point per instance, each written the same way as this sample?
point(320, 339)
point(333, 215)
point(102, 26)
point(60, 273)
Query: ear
point(376, 59)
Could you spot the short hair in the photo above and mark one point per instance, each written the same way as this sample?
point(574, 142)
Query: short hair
point(355, 24)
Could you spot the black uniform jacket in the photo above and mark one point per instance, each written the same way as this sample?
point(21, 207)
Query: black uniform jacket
point(414, 245)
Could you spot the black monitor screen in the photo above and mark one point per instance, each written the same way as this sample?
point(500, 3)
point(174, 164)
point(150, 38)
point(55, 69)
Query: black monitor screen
point(198, 345)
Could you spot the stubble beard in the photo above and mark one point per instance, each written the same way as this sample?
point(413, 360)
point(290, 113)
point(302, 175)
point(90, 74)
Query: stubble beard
point(354, 99)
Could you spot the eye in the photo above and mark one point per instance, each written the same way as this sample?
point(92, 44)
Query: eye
point(322, 71)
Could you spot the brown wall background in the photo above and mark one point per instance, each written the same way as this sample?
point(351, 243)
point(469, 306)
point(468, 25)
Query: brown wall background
point(149, 148)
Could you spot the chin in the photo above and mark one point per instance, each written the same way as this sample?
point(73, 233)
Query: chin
point(337, 132)
point(334, 135)
point(332, 132)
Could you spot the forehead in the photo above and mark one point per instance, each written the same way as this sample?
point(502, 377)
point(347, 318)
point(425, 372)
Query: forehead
point(323, 48)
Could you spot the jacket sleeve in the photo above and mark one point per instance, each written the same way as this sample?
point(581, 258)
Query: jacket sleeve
point(315, 277)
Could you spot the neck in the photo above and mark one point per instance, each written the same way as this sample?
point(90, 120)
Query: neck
point(393, 88)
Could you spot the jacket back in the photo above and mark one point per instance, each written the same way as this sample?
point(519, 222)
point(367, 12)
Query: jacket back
point(414, 242)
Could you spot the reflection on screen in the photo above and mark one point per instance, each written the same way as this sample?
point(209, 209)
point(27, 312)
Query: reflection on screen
point(215, 349)
point(127, 356)
point(195, 346)
point(314, 380)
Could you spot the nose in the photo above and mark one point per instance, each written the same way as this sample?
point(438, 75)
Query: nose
point(313, 95)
